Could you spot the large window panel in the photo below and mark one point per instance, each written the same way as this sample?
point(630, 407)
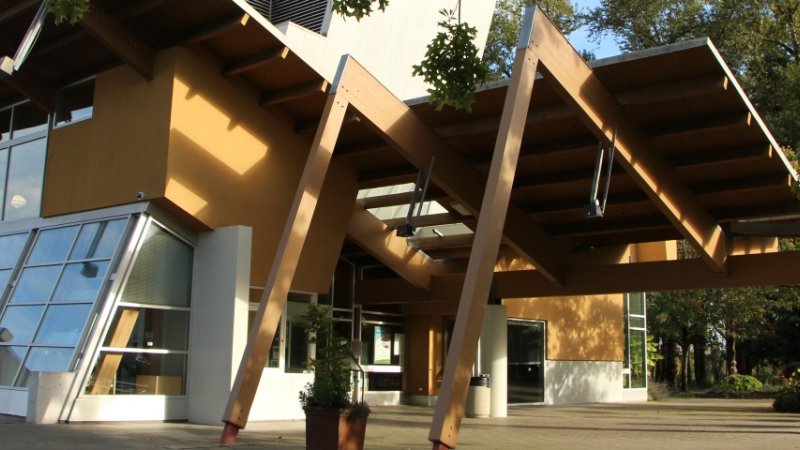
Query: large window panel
point(10, 362)
point(45, 359)
point(36, 284)
point(5, 125)
point(28, 119)
point(98, 240)
point(81, 282)
point(19, 323)
point(10, 248)
point(53, 245)
point(157, 328)
point(25, 178)
point(63, 324)
point(162, 273)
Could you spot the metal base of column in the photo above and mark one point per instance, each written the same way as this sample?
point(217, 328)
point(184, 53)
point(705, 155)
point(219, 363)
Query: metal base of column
point(440, 446)
point(229, 434)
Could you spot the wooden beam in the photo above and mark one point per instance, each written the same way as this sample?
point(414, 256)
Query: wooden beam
point(769, 228)
point(488, 235)
point(418, 143)
point(255, 61)
point(18, 10)
point(672, 91)
point(389, 176)
point(294, 93)
point(34, 87)
point(109, 362)
point(305, 126)
point(447, 241)
point(491, 124)
point(119, 40)
point(401, 198)
point(394, 252)
point(362, 148)
point(284, 265)
point(746, 270)
point(428, 220)
point(213, 29)
point(598, 109)
point(697, 125)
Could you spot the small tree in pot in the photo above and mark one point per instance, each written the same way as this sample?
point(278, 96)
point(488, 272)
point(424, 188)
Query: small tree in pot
point(333, 420)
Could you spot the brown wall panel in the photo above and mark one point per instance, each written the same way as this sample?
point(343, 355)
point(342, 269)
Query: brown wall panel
point(578, 328)
point(424, 336)
point(120, 151)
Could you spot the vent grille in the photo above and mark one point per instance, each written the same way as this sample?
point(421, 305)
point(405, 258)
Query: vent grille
point(307, 13)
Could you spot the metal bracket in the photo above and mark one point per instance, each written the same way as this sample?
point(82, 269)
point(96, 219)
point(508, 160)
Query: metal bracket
point(420, 187)
point(596, 207)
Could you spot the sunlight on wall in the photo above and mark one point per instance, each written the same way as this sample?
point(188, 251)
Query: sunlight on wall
point(203, 122)
point(184, 197)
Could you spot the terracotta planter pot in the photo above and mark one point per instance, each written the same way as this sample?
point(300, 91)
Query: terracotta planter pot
point(333, 429)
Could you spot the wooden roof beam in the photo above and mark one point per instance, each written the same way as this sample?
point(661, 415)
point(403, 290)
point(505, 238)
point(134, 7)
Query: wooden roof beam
point(309, 125)
point(294, 93)
point(428, 220)
point(18, 10)
point(213, 29)
point(119, 40)
point(34, 87)
point(598, 109)
point(672, 91)
point(397, 124)
point(357, 149)
point(255, 61)
point(398, 199)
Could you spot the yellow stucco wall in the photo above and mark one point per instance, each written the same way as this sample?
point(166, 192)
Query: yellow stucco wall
point(122, 150)
point(199, 145)
point(578, 328)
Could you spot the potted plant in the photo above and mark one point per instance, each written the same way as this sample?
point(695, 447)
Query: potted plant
point(333, 420)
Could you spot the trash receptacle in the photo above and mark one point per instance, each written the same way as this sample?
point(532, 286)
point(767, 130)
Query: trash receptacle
point(479, 399)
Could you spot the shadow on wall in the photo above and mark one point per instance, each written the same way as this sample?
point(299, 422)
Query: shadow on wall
point(582, 381)
point(586, 328)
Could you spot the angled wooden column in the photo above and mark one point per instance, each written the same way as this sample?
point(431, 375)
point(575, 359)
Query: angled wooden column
point(489, 233)
point(283, 268)
point(577, 84)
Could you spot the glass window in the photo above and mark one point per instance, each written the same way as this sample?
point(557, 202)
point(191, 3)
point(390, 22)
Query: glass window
point(5, 125)
point(63, 324)
point(3, 173)
point(28, 119)
point(140, 373)
point(45, 359)
point(25, 177)
point(638, 362)
point(51, 304)
point(381, 344)
point(81, 281)
point(10, 361)
point(10, 248)
point(52, 245)
point(75, 103)
point(98, 240)
point(155, 328)
point(19, 323)
point(5, 275)
point(162, 273)
point(636, 306)
point(273, 359)
point(35, 284)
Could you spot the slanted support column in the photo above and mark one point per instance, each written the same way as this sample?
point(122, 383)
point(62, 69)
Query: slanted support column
point(283, 268)
point(489, 233)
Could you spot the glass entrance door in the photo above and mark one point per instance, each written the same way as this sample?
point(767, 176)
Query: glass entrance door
point(525, 361)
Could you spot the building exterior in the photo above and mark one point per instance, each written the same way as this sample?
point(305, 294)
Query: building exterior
point(145, 206)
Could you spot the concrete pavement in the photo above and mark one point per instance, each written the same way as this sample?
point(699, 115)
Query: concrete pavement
point(670, 424)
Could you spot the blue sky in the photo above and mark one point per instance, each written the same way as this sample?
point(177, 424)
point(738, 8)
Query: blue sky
point(580, 39)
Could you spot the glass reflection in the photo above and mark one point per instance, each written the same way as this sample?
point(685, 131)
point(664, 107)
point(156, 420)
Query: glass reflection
point(155, 329)
point(10, 360)
point(10, 248)
point(35, 284)
point(98, 240)
point(4, 276)
point(53, 245)
point(139, 373)
point(63, 325)
point(45, 360)
point(19, 323)
point(3, 171)
point(25, 177)
point(81, 282)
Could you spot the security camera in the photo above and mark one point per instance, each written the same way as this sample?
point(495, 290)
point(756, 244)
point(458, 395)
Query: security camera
point(140, 196)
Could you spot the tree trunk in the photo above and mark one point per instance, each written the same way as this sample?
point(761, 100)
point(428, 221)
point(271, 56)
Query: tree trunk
point(730, 350)
point(684, 381)
point(699, 344)
point(668, 363)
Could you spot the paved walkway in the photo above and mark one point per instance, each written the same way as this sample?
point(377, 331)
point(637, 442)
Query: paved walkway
point(671, 424)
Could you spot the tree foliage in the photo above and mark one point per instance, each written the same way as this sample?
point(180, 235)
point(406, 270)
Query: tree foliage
point(357, 8)
point(451, 65)
point(504, 32)
point(70, 11)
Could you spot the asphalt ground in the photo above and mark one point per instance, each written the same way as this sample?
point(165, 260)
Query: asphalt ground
point(668, 424)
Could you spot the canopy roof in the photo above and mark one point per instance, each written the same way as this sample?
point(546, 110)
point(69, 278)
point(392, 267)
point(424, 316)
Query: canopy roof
point(706, 137)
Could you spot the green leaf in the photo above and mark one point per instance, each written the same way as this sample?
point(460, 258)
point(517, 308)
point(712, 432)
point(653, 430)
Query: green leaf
point(357, 8)
point(67, 10)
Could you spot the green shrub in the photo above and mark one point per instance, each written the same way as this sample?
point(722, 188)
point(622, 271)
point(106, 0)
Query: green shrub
point(737, 384)
point(787, 401)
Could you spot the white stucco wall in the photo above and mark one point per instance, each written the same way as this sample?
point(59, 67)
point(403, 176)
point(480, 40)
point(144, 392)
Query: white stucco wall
point(582, 382)
point(387, 43)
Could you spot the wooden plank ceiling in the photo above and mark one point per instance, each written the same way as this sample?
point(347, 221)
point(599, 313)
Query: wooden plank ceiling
point(681, 97)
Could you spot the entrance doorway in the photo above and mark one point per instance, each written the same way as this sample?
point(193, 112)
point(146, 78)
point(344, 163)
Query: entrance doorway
point(525, 361)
